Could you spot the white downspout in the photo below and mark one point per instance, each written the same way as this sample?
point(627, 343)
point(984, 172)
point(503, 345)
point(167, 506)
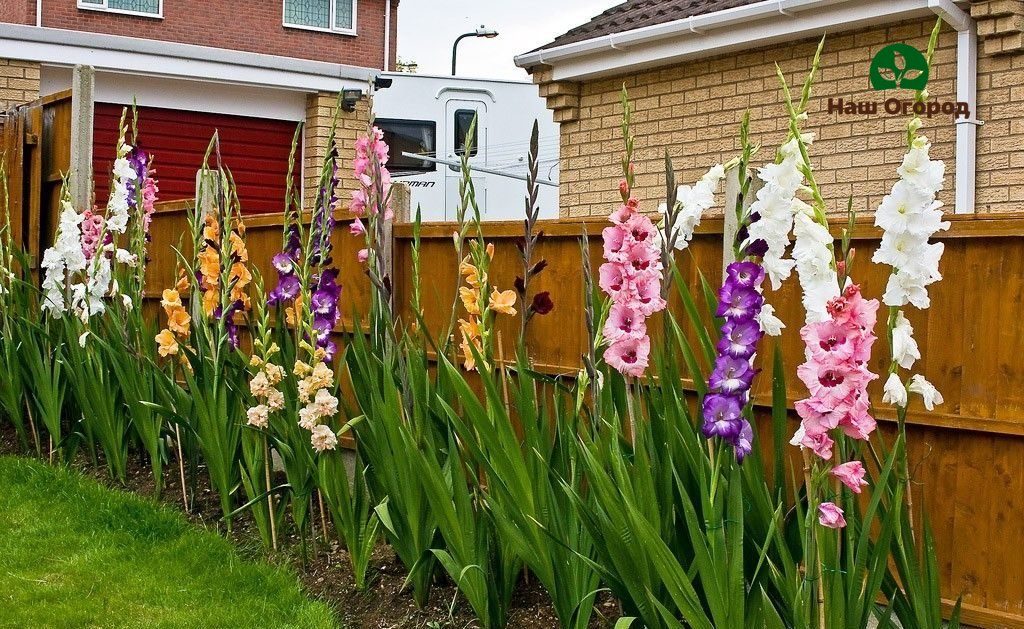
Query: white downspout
point(387, 34)
point(39, 13)
point(966, 92)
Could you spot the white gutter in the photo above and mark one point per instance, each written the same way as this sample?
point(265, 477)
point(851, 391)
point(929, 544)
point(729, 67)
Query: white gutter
point(766, 23)
point(130, 55)
point(966, 92)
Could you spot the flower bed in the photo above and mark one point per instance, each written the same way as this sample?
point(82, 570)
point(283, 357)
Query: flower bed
point(474, 464)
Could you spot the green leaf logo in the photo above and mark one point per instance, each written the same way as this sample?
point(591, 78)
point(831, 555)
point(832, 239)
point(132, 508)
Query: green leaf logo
point(899, 66)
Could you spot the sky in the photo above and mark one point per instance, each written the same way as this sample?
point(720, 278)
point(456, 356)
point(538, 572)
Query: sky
point(427, 29)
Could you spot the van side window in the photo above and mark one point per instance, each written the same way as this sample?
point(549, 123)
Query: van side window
point(463, 121)
point(409, 136)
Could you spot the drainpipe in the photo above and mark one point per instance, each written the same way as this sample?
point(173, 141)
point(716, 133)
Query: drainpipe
point(39, 13)
point(966, 92)
point(387, 34)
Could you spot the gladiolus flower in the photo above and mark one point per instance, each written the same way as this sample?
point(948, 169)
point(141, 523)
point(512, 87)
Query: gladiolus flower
point(629, 356)
point(851, 474)
point(323, 438)
point(503, 301)
point(258, 416)
point(470, 300)
point(895, 392)
point(830, 515)
point(542, 303)
point(929, 394)
point(167, 344)
point(178, 321)
point(363, 255)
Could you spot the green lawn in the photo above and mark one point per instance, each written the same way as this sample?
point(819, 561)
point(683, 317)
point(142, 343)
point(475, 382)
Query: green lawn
point(75, 554)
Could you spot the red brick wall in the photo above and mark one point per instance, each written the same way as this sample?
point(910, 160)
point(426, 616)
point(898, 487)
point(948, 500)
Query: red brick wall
point(18, 11)
point(222, 24)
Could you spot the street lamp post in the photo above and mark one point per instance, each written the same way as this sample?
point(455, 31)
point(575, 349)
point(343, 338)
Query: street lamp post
point(489, 33)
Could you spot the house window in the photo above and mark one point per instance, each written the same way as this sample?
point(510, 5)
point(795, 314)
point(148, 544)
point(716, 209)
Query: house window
point(463, 121)
point(409, 136)
point(148, 8)
point(321, 15)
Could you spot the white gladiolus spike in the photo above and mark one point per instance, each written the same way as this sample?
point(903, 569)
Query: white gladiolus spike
point(909, 216)
point(694, 201)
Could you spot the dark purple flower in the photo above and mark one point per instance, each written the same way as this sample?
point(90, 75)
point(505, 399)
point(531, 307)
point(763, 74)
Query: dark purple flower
point(542, 303)
point(756, 248)
point(723, 415)
point(323, 216)
point(229, 322)
point(737, 302)
point(739, 338)
point(731, 375)
point(745, 274)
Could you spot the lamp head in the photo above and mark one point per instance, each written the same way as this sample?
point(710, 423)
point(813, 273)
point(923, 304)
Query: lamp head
point(483, 31)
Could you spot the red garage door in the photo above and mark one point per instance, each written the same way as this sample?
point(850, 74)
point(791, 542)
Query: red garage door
point(254, 149)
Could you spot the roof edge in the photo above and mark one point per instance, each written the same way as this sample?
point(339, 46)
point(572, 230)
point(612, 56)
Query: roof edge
point(176, 50)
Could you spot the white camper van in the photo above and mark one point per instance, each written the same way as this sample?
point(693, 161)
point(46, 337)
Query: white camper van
point(431, 116)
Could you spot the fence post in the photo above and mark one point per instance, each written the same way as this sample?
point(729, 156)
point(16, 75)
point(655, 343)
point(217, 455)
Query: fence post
point(731, 225)
point(83, 81)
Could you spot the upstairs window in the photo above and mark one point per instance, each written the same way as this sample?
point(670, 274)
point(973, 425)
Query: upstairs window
point(321, 15)
point(148, 8)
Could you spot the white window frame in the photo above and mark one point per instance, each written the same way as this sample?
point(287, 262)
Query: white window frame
point(90, 6)
point(339, 31)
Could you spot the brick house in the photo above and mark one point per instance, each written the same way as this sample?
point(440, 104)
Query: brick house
point(198, 65)
point(693, 66)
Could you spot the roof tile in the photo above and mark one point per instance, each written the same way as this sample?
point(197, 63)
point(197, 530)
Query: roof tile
point(634, 14)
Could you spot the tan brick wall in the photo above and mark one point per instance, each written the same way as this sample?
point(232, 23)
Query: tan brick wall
point(19, 82)
point(319, 114)
point(694, 110)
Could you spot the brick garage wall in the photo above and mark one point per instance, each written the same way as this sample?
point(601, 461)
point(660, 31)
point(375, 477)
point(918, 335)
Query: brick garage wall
point(249, 26)
point(19, 82)
point(319, 115)
point(694, 110)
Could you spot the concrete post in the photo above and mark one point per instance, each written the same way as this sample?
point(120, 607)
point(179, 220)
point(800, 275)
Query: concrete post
point(83, 81)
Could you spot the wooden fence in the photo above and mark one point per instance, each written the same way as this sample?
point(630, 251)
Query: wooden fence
point(36, 150)
point(967, 456)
